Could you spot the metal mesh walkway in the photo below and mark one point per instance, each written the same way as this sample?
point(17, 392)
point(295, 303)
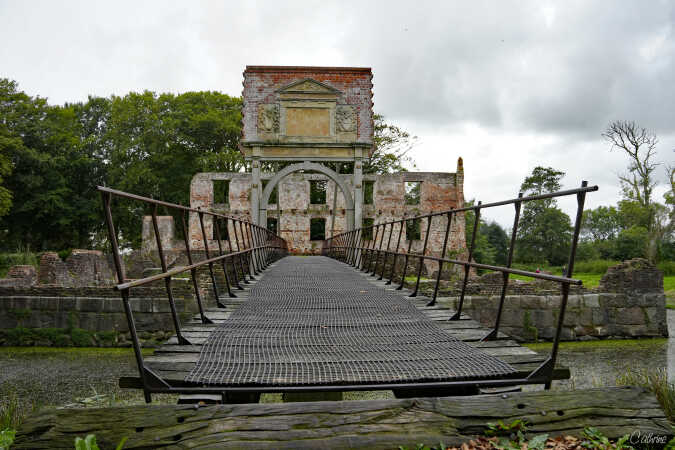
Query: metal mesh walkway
point(315, 321)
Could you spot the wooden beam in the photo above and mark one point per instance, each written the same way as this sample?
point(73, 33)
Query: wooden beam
point(347, 424)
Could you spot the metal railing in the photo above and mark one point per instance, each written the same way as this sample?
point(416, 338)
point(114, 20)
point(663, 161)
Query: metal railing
point(250, 250)
point(370, 256)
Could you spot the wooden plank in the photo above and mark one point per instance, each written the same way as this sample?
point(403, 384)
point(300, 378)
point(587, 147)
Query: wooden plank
point(347, 424)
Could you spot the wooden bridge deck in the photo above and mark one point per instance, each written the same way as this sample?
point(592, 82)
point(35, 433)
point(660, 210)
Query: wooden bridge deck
point(175, 362)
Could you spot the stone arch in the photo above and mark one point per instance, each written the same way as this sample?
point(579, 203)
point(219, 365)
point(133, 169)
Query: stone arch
point(314, 167)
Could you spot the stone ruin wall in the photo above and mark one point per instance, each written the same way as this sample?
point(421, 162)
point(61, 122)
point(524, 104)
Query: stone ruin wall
point(628, 303)
point(439, 191)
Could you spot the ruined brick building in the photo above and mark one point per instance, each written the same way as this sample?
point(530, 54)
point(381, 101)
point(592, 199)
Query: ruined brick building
point(311, 118)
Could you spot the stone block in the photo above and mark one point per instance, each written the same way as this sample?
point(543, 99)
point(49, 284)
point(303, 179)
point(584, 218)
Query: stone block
point(67, 304)
point(599, 316)
point(88, 304)
point(630, 316)
point(574, 301)
point(530, 301)
point(652, 299)
point(543, 318)
point(567, 334)
point(571, 317)
point(591, 300)
point(137, 304)
point(551, 301)
point(547, 333)
point(512, 318)
point(112, 305)
point(609, 300)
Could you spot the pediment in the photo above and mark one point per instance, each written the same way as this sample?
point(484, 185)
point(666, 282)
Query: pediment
point(308, 86)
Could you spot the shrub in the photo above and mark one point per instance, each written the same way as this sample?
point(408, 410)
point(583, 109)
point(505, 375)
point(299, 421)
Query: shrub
point(597, 266)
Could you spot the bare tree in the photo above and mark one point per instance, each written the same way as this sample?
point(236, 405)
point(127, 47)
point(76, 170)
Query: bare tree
point(639, 145)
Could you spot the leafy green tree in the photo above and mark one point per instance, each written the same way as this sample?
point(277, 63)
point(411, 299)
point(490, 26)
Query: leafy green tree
point(491, 245)
point(156, 143)
point(392, 145)
point(8, 146)
point(544, 232)
point(51, 207)
point(601, 224)
point(499, 240)
point(631, 242)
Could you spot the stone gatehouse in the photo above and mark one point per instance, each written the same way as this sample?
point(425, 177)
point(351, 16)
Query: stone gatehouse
point(302, 208)
point(309, 119)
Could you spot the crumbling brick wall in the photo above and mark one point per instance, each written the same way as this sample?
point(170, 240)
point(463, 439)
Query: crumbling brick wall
point(81, 268)
point(438, 192)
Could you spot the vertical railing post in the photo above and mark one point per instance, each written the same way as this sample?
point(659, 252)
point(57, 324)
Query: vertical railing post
point(581, 198)
point(421, 259)
point(467, 268)
point(379, 249)
point(386, 252)
point(407, 256)
point(223, 261)
point(368, 257)
point(243, 248)
point(505, 282)
point(230, 248)
point(398, 243)
point(193, 271)
point(440, 261)
point(167, 281)
point(119, 269)
point(254, 263)
point(240, 255)
point(208, 256)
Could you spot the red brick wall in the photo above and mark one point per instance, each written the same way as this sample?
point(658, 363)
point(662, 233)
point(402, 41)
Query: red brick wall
point(261, 82)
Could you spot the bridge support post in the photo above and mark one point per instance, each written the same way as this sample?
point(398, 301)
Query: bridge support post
point(358, 191)
point(255, 192)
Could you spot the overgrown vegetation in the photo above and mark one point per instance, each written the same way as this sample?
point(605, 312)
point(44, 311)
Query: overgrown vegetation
point(21, 257)
point(656, 381)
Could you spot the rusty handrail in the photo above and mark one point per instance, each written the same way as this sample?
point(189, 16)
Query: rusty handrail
point(256, 248)
point(349, 247)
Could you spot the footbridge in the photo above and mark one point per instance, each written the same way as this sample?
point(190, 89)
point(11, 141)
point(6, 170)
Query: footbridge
point(351, 319)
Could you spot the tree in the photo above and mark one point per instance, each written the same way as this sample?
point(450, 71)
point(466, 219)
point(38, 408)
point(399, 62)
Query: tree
point(156, 144)
point(639, 145)
point(601, 224)
point(392, 145)
point(544, 231)
point(491, 244)
point(8, 146)
point(51, 207)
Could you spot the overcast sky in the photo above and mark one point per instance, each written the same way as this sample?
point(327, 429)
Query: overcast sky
point(506, 85)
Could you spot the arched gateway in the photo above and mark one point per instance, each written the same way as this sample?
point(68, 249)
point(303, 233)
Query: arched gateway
point(313, 167)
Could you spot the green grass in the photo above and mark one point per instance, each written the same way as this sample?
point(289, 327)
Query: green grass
point(590, 280)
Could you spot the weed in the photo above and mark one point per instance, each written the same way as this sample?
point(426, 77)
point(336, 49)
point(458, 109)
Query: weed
point(89, 443)
point(6, 438)
point(656, 381)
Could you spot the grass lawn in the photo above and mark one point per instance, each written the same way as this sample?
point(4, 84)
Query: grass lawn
point(590, 280)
